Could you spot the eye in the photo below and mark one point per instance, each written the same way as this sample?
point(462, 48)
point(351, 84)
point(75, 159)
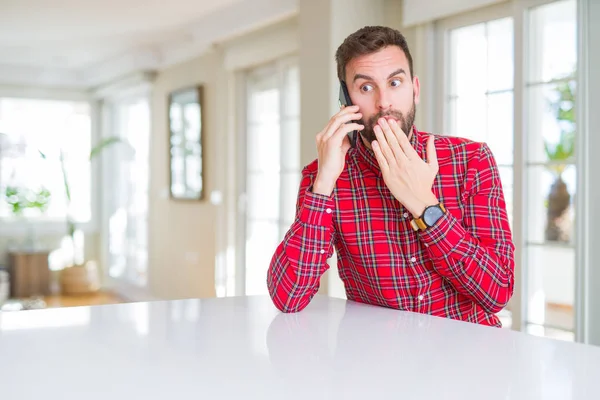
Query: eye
point(396, 82)
point(366, 88)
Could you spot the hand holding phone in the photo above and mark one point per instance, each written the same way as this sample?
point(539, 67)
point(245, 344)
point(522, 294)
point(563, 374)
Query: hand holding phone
point(333, 143)
point(345, 101)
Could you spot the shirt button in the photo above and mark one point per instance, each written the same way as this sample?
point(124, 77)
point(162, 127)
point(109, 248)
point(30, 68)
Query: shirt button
point(405, 215)
point(421, 297)
point(413, 259)
point(328, 211)
point(322, 251)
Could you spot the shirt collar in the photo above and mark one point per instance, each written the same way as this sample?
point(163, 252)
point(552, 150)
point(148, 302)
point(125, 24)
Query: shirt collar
point(368, 157)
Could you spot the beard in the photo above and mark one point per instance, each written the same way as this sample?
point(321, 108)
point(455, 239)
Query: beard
point(405, 122)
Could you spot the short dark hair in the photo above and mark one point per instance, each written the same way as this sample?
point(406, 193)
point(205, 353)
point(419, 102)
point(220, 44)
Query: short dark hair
point(368, 40)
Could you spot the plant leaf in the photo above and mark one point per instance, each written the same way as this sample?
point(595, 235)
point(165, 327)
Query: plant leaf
point(103, 144)
point(65, 178)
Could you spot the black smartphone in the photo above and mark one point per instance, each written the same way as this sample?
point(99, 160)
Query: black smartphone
point(344, 99)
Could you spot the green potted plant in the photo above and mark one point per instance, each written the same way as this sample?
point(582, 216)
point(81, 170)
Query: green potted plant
point(21, 199)
point(24, 202)
point(560, 154)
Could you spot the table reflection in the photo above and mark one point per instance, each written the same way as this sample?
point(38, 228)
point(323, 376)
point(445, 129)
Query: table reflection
point(416, 355)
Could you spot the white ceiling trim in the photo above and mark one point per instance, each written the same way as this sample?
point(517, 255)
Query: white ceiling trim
point(218, 26)
point(40, 92)
point(225, 24)
point(422, 11)
point(253, 50)
point(129, 86)
point(35, 76)
point(138, 60)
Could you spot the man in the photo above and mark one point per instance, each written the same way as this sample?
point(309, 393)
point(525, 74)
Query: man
point(419, 221)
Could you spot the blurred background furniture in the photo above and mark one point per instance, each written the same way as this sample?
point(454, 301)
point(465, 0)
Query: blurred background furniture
point(29, 274)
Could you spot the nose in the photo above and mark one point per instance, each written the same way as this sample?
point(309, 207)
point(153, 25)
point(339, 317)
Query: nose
point(384, 101)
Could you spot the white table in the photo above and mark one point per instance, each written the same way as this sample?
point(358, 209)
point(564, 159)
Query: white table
point(243, 348)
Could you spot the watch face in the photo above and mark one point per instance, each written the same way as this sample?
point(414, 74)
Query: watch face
point(432, 214)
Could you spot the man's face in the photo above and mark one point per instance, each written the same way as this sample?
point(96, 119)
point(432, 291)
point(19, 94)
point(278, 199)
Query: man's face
point(381, 86)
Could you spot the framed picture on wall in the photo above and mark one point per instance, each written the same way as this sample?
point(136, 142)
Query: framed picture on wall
point(186, 161)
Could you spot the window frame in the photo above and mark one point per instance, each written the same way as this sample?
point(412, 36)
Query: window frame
point(107, 104)
point(278, 67)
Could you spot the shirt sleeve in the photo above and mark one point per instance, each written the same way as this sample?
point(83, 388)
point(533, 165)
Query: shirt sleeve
point(300, 260)
point(477, 255)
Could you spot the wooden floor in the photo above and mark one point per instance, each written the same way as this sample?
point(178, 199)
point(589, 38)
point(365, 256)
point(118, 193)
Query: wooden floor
point(94, 299)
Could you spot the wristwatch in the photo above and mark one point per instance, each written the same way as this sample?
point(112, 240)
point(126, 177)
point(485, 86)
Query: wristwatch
point(430, 216)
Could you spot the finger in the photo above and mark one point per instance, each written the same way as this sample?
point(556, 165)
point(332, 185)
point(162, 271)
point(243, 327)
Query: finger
point(332, 121)
point(344, 111)
point(381, 159)
point(431, 152)
point(339, 120)
point(343, 131)
point(392, 140)
point(410, 152)
point(386, 151)
point(352, 108)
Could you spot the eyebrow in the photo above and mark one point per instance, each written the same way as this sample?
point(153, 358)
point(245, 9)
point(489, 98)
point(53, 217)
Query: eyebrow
point(368, 78)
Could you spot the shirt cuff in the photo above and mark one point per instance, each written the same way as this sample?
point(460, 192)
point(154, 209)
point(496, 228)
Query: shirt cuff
point(317, 209)
point(442, 238)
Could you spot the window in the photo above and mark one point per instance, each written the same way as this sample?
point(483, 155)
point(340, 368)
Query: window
point(273, 171)
point(550, 172)
point(480, 91)
point(479, 96)
point(126, 193)
point(480, 103)
point(31, 126)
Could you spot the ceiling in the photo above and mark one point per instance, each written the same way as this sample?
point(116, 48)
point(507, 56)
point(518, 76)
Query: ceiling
point(77, 43)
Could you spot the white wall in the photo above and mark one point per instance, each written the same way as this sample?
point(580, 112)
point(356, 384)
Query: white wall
point(182, 239)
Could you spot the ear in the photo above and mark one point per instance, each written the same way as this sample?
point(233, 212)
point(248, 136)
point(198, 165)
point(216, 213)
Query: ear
point(416, 89)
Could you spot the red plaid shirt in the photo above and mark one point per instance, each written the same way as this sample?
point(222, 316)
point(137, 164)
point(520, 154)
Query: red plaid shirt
point(461, 268)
